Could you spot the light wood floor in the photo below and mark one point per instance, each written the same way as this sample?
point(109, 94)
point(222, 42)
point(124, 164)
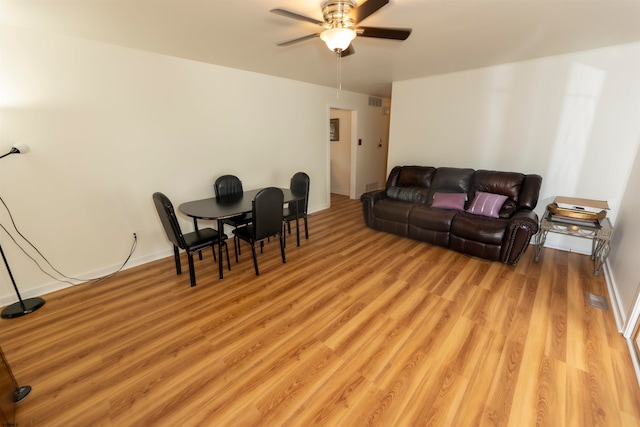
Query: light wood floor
point(358, 328)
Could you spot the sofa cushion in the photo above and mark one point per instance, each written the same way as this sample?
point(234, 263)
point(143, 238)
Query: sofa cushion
point(434, 219)
point(487, 204)
point(508, 183)
point(450, 180)
point(407, 194)
point(393, 210)
point(480, 229)
point(415, 176)
point(449, 200)
point(508, 209)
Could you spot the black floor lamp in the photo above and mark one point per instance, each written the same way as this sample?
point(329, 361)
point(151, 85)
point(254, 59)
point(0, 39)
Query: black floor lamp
point(28, 305)
point(9, 383)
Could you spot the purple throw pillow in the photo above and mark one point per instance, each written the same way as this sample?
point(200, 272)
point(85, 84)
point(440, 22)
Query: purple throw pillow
point(487, 204)
point(449, 200)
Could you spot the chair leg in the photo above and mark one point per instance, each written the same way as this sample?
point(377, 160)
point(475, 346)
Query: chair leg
point(176, 257)
point(235, 247)
point(255, 259)
point(284, 260)
point(192, 271)
point(306, 228)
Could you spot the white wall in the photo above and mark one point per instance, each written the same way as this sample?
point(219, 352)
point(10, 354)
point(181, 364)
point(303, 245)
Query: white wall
point(625, 247)
point(574, 119)
point(571, 118)
point(108, 126)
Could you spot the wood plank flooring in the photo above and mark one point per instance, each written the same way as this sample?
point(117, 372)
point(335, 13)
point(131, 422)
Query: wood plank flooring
point(358, 328)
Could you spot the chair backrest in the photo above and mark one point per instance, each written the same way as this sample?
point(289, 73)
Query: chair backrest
point(169, 220)
point(227, 185)
point(300, 183)
point(267, 213)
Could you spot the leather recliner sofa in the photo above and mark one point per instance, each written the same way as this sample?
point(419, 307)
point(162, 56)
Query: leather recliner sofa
point(482, 213)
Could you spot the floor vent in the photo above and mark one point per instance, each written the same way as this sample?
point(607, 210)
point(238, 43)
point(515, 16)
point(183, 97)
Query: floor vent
point(370, 187)
point(597, 301)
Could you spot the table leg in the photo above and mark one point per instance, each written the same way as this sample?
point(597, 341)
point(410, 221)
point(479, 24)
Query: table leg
point(539, 240)
point(297, 228)
point(600, 254)
point(220, 233)
point(195, 227)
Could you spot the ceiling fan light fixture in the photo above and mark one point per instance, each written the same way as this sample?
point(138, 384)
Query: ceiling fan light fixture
point(338, 39)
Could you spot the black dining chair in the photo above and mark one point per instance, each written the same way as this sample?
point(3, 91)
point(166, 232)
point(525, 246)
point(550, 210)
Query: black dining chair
point(191, 242)
point(267, 222)
point(230, 185)
point(296, 210)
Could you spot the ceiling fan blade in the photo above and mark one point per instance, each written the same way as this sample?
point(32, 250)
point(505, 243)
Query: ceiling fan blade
point(299, 39)
point(384, 33)
point(367, 9)
point(349, 51)
point(294, 15)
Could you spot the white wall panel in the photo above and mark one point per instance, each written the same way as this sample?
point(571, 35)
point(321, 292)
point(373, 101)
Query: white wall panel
point(108, 126)
point(574, 119)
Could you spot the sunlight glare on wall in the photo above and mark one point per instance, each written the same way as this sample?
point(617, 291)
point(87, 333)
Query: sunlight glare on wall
point(574, 129)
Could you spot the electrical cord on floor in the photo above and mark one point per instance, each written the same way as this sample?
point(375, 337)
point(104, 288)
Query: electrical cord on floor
point(66, 279)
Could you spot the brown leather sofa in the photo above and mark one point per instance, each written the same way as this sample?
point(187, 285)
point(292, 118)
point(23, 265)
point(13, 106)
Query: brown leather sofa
point(500, 233)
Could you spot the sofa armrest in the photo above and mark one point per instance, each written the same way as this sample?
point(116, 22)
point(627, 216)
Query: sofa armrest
point(523, 225)
point(530, 192)
point(368, 200)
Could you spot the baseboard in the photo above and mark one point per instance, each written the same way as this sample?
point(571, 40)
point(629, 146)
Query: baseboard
point(47, 288)
point(39, 291)
point(614, 297)
point(635, 359)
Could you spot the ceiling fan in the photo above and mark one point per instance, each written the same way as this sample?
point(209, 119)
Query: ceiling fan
point(340, 23)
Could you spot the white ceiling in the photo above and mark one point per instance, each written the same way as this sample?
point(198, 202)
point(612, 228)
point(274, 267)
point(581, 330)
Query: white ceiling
point(449, 35)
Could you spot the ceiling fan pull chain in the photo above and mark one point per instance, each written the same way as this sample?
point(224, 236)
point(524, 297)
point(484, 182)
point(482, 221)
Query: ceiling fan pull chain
point(339, 72)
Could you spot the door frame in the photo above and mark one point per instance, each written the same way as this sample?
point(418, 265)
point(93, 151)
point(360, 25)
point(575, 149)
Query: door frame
point(353, 150)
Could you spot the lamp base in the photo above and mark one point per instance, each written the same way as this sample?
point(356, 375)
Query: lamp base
point(18, 309)
point(21, 393)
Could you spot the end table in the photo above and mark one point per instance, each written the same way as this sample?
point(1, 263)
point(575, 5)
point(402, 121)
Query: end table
point(599, 232)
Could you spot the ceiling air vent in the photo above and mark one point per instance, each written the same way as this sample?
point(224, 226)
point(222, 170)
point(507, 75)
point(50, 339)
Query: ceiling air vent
point(376, 102)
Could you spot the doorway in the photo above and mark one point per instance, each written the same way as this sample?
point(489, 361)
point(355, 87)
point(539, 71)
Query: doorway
point(341, 170)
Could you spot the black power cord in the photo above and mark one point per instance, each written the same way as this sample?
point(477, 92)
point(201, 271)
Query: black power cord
point(94, 279)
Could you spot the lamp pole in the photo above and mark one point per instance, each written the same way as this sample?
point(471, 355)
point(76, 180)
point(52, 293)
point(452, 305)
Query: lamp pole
point(21, 307)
